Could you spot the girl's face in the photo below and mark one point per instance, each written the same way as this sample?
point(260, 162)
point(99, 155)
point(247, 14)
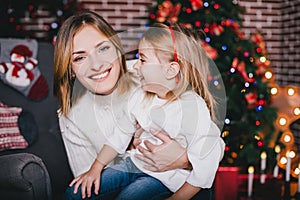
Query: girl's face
point(95, 61)
point(151, 71)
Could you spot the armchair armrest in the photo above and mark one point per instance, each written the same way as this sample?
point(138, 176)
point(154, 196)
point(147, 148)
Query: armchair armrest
point(24, 176)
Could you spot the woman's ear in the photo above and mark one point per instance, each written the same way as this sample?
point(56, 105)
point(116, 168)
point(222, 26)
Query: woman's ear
point(171, 70)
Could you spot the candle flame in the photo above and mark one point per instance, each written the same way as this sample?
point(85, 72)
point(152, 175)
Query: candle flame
point(292, 154)
point(263, 155)
point(277, 148)
point(283, 160)
point(250, 169)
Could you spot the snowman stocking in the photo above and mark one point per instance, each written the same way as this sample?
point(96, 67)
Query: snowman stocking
point(19, 68)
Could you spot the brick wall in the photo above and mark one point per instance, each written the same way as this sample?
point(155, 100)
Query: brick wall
point(127, 17)
point(277, 20)
point(279, 23)
point(290, 70)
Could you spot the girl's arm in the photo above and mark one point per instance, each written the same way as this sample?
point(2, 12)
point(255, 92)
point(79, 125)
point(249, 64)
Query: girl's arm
point(92, 176)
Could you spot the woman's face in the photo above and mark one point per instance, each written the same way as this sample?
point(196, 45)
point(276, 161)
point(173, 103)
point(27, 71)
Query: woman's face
point(95, 61)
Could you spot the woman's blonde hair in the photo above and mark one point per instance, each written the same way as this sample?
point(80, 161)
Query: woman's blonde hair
point(63, 81)
point(184, 44)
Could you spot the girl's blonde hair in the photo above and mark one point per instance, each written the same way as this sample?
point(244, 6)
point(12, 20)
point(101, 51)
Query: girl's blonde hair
point(184, 44)
point(64, 88)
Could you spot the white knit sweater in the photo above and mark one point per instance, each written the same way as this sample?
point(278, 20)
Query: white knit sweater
point(85, 129)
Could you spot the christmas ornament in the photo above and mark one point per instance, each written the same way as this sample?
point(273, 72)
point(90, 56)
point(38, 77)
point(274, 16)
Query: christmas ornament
point(168, 12)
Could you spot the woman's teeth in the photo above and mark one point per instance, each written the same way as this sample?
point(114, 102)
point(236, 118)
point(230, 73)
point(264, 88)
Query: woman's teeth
point(99, 76)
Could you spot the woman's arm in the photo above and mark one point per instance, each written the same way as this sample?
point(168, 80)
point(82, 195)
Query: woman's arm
point(159, 157)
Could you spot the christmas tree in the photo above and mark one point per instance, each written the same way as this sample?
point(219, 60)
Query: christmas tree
point(249, 123)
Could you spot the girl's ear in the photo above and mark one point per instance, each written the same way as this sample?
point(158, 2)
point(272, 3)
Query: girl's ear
point(171, 70)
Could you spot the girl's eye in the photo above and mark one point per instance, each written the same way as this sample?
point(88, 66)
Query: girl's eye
point(142, 60)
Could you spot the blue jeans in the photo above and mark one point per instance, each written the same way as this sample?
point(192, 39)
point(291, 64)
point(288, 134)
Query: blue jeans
point(124, 181)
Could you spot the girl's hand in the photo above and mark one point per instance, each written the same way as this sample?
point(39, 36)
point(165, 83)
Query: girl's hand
point(87, 179)
point(166, 156)
point(137, 134)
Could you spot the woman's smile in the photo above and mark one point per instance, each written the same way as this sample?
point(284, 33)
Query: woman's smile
point(100, 76)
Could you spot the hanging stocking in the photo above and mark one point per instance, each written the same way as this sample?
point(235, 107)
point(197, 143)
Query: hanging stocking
point(19, 68)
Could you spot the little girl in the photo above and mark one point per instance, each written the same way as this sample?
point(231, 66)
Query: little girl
point(175, 98)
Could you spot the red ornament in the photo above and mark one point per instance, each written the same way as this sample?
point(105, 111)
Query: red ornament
point(216, 29)
point(216, 6)
point(261, 102)
point(257, 123)
point(196, 4)
point(258, 40)
point(260, 144)
point(198, 23)
point(251, 99)
point(226, 148)
point(241, 67)
point(235, 27)
point(210, 51)
point(152, 16)
point(188, 10)
point(168, 12)
point(258, 50)
point(30, 7)
point(206, 29)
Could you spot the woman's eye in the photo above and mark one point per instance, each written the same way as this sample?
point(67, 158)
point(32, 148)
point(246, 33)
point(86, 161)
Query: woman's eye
point(78, 59)
point(104, 48)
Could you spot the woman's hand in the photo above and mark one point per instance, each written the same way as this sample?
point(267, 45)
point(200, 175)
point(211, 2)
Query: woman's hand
point(166, 156)
point(87, 179)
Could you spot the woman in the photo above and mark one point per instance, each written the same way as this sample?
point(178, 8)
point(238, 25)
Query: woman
point(90, 69)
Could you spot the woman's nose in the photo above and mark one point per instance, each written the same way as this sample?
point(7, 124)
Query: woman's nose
point(96, 67)
point(96, 63)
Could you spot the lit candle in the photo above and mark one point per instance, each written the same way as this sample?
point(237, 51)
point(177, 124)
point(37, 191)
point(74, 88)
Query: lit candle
point(299, 183)
point(298, 171)
point(250, 180)
point(263, 162)
point(288, 167)
point(276, 168)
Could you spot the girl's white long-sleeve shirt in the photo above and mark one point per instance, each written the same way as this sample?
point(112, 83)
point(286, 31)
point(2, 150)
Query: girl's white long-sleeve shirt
point(188, 121)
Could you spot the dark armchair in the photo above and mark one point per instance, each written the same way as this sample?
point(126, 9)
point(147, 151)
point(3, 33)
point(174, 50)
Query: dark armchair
point(24, 176)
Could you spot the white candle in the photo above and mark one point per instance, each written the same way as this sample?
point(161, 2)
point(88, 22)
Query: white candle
point(250, 180)
point(288, 167)
point(299, 183)
point(298, 169)
point(263, 164)
point(276, 168)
